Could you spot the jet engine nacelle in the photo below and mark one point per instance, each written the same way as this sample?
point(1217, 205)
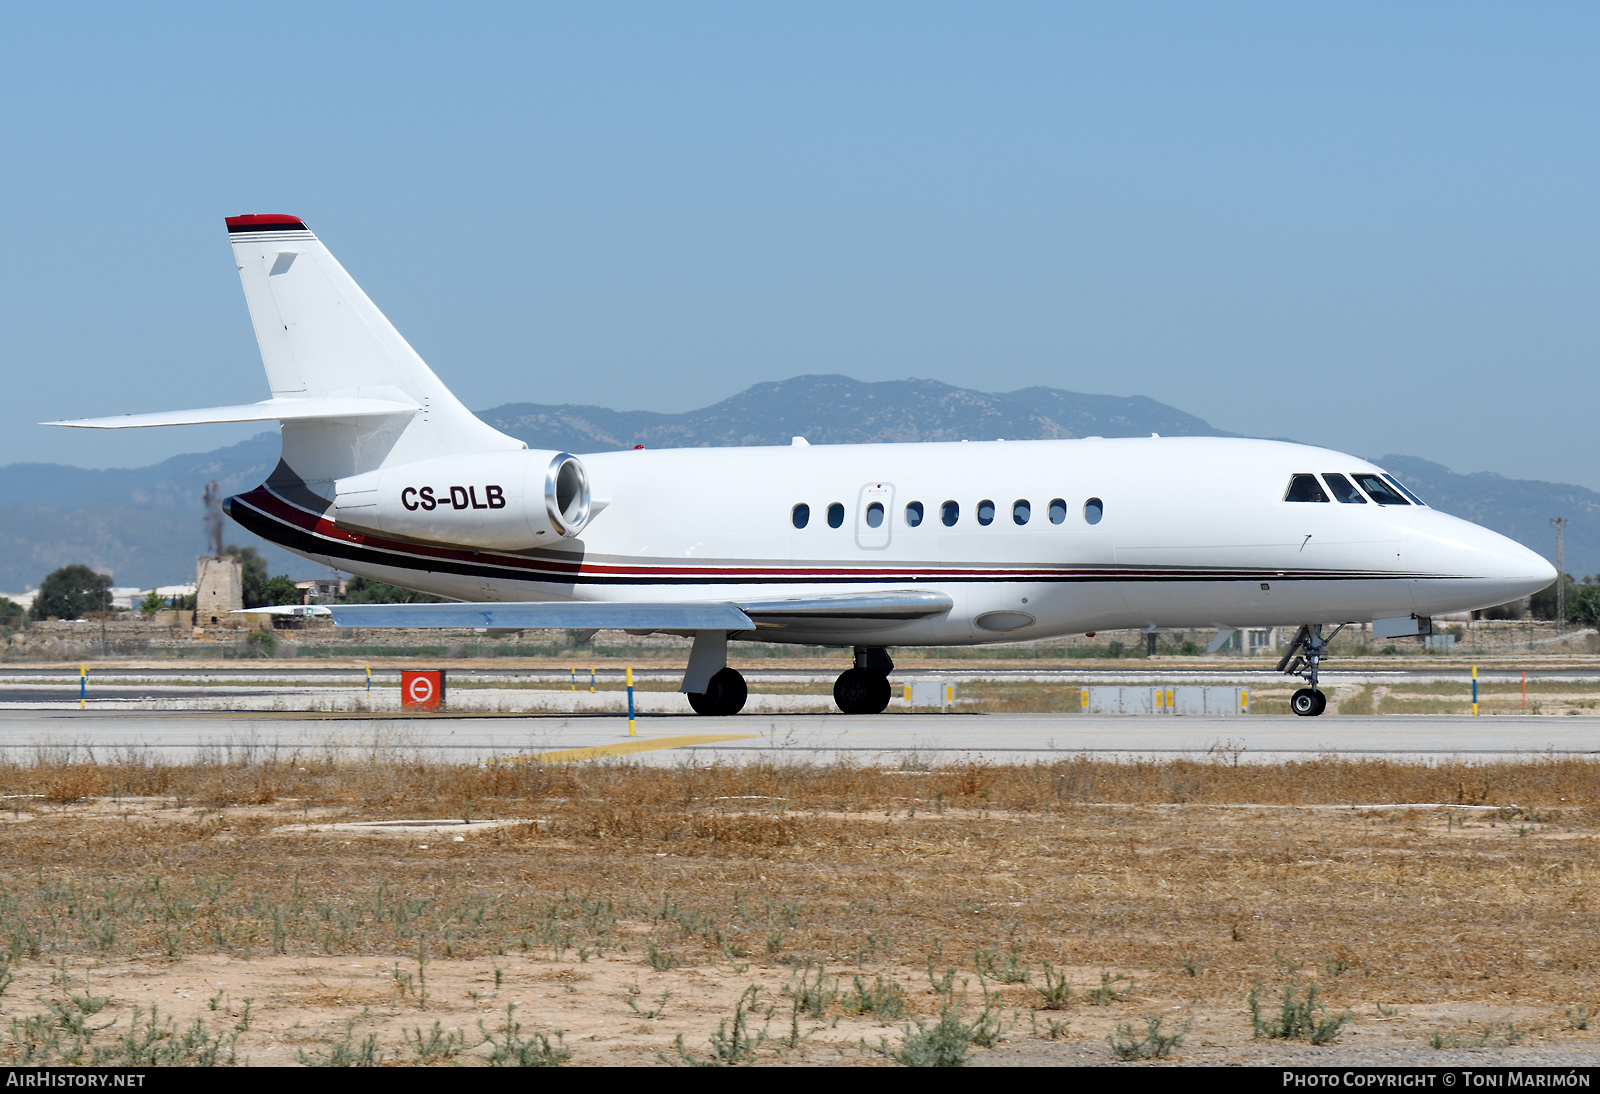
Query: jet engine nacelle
point(501, 500)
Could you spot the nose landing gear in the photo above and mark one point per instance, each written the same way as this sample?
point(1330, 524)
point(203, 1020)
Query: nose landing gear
point(864, 689)
point(1304, 659)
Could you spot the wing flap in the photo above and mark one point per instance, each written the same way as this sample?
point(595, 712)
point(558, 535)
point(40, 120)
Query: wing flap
point(897, 605)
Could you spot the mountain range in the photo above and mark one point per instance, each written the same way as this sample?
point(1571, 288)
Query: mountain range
point(143, 525)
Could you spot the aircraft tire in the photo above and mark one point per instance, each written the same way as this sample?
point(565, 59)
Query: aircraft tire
point(1308, 703)
point(858, 691)
point(725, 694)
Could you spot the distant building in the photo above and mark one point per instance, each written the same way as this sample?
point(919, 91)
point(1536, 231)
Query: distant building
point(320, 589)
point(219, 591)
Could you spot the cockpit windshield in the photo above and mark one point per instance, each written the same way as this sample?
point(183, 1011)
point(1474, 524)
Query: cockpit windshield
point(1304, 488)
point(1380, 491)
point(1400, 486)
point(1342, 489)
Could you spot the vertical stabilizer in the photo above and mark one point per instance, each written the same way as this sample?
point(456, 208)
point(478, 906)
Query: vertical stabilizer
point(322, 338)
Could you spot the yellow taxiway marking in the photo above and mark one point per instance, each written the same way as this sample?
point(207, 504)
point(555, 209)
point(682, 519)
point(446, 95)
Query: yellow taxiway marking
point(623, 748)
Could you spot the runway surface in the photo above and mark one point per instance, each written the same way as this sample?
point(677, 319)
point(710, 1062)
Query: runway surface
point(901, 740)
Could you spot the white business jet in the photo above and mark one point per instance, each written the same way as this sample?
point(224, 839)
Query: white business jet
point(385, 474)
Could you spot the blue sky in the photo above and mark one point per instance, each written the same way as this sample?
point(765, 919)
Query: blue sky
point(1367, 226)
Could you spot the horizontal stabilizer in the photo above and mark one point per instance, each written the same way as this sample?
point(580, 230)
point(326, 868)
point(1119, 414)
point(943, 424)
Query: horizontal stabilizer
point(268, 410)
point(539, 615)
point(283, 609)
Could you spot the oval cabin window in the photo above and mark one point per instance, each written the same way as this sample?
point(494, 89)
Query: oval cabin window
point(801, 515)
point(1058, 511)
point(835, 515)
point(986, 512)
point(1021, 511)
point(914, 514)
point(875, 515)
point(1093, 510)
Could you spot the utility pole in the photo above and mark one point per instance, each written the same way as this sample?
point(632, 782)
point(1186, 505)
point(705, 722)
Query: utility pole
point(1561, 573)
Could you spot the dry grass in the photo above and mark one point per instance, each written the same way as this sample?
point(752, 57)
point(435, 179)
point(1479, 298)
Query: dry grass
point(1192, 879)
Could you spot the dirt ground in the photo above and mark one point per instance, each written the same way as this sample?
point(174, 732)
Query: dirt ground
point(436, 914)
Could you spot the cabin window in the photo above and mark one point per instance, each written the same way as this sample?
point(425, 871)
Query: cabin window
point(1058, 511)
point(1346, 493)
point(950, 512)
point(1380, 491)
point(914, 514)
point(1093, 510)
point(1304, 488)
point(1400, 486)
point(835, 515)
point(986, 512)
point(875, 515)
point(1021, 511)
point(801, 515)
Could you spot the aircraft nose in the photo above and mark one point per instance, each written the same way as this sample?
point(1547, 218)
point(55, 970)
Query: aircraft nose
point(1474, 563)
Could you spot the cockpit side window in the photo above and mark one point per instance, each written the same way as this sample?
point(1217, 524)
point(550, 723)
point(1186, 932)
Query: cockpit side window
point(1379, 491)
point(1342, 489)
point(1305, 488)
point(1400, 486)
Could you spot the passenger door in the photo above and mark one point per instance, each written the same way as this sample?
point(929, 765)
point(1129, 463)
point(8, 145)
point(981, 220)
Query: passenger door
point(874, 516)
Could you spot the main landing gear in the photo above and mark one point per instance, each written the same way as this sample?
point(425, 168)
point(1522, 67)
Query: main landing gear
point(725, 694)
point(864, 689)
point(1304, 659)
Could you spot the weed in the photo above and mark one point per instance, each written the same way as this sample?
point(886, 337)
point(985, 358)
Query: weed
point(947, 1042)
point(654, 1012)
point(1007, 968)
point(1386, 1011)
point(1486, 1038)
point(660, 960)
point(942, 985)
point(345, 1053)
point(436, 1044)
point(422, 976)
point(1154, 1045)
point(1194, 964)
point(88, 1002)
point(1578, 1018)
point(244, 1016)
point(729, 1048)
point(1297, 1019)
point(1053, 1029)
point(402, 980)
point(1109, 992)
point(216, 1000)
point(513, 1050)
point(159, 1044)
point(884, 999)
point(1056, 991)
point(813, 997)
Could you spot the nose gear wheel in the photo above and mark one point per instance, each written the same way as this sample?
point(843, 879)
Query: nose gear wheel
point(1304, 659)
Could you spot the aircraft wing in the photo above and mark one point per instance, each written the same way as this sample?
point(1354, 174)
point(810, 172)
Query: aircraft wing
point(693, 616)
point(538, 615)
